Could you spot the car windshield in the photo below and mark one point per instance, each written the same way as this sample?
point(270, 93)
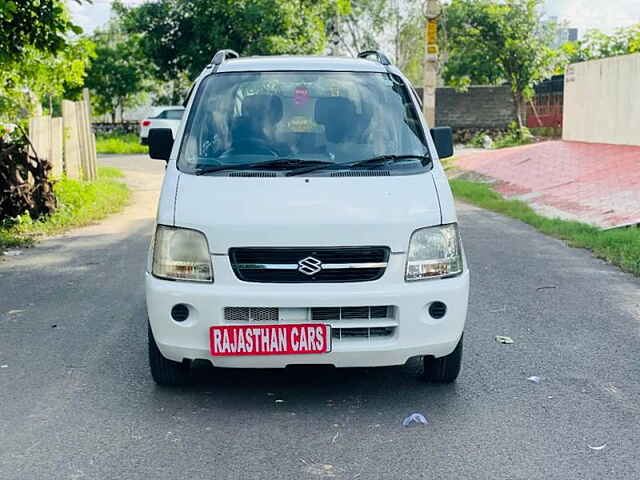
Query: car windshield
point(241, 119)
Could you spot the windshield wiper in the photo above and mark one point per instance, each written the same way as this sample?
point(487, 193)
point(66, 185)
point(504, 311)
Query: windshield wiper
point(284, 163)
point(382, 159)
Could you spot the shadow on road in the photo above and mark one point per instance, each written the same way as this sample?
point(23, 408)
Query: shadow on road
point(314, 390)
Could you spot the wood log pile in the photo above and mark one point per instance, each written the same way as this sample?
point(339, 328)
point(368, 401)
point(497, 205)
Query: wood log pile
point(24, 183)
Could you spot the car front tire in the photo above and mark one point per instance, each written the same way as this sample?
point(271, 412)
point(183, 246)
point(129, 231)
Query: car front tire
point(166, 372)
point(444, 369)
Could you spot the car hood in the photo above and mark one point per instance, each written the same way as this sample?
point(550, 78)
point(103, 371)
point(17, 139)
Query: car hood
point(312, 211)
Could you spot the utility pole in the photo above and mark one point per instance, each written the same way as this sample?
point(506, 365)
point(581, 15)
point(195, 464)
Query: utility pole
point(432, 13)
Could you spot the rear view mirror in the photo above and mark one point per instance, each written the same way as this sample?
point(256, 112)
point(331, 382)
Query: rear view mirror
point(160, 143)
point(443, 139)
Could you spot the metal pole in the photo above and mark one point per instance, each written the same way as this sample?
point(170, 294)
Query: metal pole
point(432, 10)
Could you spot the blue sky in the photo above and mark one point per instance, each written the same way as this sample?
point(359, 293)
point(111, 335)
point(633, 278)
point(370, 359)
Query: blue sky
point(583, 14)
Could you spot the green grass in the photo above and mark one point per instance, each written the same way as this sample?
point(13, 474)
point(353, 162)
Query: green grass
point(620, 247)
point(109, 173)
point(448, 163)
point(121, 143)
point(79, 203)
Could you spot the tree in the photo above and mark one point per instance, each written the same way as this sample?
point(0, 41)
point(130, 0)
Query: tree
point(37, 59)
point(366, 24)
point(182, 35)
point(42, 77)
point(117, 74)
point(358, 23)
point(26, 25)
point(490, 42)
point(410, 46)
point(597, 44)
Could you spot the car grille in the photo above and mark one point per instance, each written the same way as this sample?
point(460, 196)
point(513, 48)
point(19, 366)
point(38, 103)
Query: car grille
point(347, 323)
point(364, 332)
point(325, 314)
point(251, 314)
point(314, 314)
point(322, 264)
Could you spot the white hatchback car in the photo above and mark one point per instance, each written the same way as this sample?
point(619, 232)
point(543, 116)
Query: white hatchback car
point(305, 218)
point(161, 117)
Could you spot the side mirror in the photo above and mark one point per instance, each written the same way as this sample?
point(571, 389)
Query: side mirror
point(160, 143)
point(443, 139)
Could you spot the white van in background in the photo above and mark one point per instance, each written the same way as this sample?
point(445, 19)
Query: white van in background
point(305, 218)
point(161, 117)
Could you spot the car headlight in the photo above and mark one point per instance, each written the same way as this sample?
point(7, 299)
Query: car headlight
point(181, 254)
point(434, 252)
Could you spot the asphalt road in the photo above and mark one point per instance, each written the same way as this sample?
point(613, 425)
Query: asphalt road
point(77, 401)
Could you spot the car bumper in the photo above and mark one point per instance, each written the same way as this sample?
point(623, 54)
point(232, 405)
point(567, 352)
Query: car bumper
point(415, 333)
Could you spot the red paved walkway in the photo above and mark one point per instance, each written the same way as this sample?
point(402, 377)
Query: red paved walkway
point(597, 183)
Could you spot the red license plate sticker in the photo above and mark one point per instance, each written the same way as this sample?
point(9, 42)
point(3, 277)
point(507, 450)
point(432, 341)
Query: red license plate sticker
point(294, 339)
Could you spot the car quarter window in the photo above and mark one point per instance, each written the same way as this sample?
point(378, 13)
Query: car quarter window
point(173, 114)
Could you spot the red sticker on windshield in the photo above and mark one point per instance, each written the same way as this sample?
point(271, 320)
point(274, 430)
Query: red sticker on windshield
point(301, 95)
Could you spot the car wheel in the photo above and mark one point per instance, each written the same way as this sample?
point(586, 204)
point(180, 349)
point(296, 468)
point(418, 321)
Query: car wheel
point(443, 369)
point(164, 371)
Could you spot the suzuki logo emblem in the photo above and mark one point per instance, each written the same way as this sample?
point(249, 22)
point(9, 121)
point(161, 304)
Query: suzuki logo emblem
point(309, 266)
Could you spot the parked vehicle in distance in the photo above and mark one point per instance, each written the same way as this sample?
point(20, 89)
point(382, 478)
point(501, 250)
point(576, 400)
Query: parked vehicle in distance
point(304, 218)
point(161, 117)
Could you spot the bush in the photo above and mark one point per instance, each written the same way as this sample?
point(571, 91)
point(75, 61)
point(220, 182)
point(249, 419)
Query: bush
point(120, 143)
point(514, 137)
point(477, 141)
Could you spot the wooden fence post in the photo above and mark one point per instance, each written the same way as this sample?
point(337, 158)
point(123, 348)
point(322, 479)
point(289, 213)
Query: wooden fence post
point(79, 141)
point(57, 139)
point(45, 135)
point(93, 160)
point(37, 136)
point(82, 140)
point(71, 140)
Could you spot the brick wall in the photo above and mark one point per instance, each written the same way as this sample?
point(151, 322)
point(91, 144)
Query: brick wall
point(481, 107)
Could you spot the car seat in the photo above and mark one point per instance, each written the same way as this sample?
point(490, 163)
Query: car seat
point(338, 117)
point(257, 112)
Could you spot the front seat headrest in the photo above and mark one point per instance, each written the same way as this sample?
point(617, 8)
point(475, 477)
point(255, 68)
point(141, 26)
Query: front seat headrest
point(262, 108)
point(338, 116)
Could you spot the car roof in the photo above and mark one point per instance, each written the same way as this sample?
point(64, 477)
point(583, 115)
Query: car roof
point(300, 63)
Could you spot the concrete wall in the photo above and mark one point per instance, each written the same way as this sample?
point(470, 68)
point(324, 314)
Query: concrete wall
point(479, 107)
point(602, 101)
